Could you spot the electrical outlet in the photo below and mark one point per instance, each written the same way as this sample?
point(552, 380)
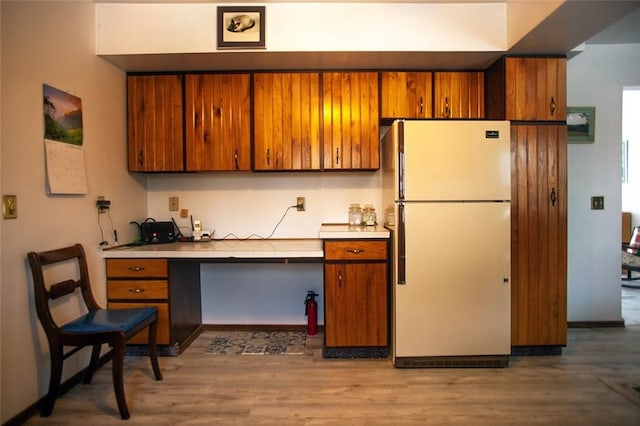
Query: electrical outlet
point(173, 204)
point(102, 204)
point(301, 204)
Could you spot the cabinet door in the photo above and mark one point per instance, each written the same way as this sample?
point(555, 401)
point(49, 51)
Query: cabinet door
point(350, 121)
point(218, 122)
point(406, 94)
point(163, 335)
point(458, 94)
point(536, 89)
point(539, 235)
point(355, 304)
point(287, 121)
point(154, 123)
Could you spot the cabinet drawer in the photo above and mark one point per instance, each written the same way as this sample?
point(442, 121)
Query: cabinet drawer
point(136, 289)
point(132, 268)
point(163, 337)
point(355, 250)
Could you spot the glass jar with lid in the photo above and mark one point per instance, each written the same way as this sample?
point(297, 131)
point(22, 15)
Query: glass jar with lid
point(369, 215)
point(355, 214)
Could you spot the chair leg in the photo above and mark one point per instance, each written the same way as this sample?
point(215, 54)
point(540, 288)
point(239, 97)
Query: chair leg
point(54, 381)
point(153, 349)
point(93, 364)
point(117, 364)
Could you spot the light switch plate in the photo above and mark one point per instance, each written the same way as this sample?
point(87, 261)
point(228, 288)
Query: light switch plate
point(597, 202)
point(10, 206)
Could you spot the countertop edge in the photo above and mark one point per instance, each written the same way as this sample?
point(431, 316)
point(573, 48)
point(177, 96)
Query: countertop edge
point(280, 248)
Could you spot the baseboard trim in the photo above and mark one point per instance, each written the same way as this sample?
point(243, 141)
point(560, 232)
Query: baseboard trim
point(539, 350)
point(257, 327)
point(595, 324)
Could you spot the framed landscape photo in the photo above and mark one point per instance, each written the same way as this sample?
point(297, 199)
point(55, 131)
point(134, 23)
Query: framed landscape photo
point(241, 27)
point(581, 124)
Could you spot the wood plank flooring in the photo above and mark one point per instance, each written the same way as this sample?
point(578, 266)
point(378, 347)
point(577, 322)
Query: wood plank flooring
point(590, 384)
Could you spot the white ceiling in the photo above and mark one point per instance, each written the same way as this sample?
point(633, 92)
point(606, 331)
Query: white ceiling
point(625, 31)
point(574, 22)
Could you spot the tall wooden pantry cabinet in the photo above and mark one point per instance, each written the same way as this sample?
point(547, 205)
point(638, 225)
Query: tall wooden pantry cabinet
point(531, 92)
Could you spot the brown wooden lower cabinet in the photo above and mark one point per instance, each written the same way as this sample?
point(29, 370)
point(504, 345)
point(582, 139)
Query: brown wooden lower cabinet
point(173, 286)
point(163, 337)
point(356, 294)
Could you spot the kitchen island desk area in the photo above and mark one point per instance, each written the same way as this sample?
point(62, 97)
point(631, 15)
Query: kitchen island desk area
point(169, 275)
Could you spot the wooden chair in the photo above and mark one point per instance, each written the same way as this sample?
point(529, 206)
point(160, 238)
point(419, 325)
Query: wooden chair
point(95, 328)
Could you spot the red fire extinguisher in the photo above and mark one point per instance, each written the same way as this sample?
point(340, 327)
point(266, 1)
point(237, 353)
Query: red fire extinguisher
point(311, 312)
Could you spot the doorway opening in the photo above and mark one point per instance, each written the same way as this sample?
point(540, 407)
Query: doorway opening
point(630, 293)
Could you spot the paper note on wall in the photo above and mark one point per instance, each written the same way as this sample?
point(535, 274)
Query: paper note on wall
point(65, 168)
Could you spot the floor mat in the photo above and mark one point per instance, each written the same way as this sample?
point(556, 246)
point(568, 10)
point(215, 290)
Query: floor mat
point(257, 343)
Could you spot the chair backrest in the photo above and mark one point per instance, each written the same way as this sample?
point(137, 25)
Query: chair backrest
point(634, 244)
point(44, 293)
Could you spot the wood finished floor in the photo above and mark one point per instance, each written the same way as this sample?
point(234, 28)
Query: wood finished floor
point(588, 385)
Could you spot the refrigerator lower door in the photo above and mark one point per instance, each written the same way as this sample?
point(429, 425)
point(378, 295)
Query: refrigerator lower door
point(456, 299)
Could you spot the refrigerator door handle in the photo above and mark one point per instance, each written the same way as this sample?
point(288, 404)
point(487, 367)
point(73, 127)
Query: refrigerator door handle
point(402, 249)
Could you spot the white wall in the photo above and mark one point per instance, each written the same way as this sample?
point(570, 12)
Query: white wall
point(244, 204)
point(53, 43)
point(311, 27)
point(596, 77)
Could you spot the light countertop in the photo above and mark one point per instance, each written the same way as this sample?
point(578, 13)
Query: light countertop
point(250, 249)
point(220, 249)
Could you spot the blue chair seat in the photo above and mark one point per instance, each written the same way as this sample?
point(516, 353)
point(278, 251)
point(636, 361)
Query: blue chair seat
point(108, 320)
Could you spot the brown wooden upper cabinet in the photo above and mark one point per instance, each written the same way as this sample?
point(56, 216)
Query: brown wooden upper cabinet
point(458, 94)
point(351, 138)
point(154, 123)
point(218, 122)
point(286, 125)
point(527, 89)
point(406, 94)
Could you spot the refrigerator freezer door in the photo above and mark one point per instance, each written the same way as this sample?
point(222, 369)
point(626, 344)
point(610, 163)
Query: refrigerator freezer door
point(456, 160)
point(456, 300)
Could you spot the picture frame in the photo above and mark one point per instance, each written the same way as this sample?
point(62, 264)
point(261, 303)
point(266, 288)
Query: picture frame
point(241, 27)
point(581, 124)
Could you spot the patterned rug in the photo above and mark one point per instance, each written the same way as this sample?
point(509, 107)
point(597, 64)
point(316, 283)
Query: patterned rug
point(258, 343)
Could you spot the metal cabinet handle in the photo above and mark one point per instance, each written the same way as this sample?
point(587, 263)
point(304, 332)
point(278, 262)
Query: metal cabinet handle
point(268, 157)
point(553, 196)
point(337, 156)
point(339, 278)
point(136, 268)
point(447, 110)
point(136, 290)
point(421, 105)
point(140, 158)
point(355, 251)
point(235, 158)
point(552, 106)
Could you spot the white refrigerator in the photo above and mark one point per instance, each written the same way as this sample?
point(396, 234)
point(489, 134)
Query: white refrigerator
point(446, 192)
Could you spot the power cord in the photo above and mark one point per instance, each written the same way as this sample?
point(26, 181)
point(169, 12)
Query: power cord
point(256, 236)
point(103, 241)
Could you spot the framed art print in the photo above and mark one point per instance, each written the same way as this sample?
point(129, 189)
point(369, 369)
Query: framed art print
point(581, 123)
point(241, 27)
